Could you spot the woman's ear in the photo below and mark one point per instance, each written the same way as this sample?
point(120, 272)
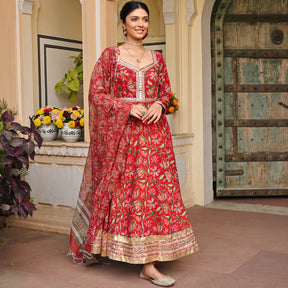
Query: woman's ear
point(123, 24)
point(123, 28)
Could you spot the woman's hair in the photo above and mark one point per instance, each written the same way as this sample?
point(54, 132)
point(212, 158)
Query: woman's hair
point(131, 6)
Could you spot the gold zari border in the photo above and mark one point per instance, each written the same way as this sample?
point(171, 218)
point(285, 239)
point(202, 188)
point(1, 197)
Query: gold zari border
point(146, 249)
point(137, 99)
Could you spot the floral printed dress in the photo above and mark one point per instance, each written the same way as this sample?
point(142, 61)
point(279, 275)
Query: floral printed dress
point(130, 207)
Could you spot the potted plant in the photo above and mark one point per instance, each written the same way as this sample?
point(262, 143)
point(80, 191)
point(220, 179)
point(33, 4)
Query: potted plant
point(72, 80)
point(70, 121)
point(17, 145)
point(45, 119)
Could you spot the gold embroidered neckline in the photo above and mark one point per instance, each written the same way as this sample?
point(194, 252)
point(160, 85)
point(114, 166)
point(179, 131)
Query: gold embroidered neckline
point(133, 67)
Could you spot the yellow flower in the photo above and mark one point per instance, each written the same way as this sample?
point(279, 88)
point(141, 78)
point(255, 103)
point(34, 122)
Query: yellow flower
point(69, 109)
point(82, 111)
point(55, 110)
point(47, 120)
point(59, 123)
point(40, 111)
point(71, 124)
point(81, 122)
point(37, 122)
point(77, 113)
point(61, 114)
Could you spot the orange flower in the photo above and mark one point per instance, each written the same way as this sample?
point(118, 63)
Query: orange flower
point(171, 109)
point(175, 101)
point(177, 106)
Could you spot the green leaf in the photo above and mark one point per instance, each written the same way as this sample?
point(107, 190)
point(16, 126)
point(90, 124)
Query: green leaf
point(59, 85)
point(72, 96)
point(67, 90)
point(79, 68)
point(74, 85)
point(71, 74)
point(74, 78)
point(74, 73)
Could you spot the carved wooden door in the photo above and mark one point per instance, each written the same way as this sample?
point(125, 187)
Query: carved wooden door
point(250, 76)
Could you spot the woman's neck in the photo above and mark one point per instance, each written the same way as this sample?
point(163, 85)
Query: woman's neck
point(133, 42)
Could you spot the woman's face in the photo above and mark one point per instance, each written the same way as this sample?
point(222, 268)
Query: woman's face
point(137, 24)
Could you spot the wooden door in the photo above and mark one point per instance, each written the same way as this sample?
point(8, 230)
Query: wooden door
point(250, 79)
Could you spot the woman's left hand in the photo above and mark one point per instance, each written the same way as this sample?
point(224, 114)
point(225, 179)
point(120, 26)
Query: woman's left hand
point(153, 114)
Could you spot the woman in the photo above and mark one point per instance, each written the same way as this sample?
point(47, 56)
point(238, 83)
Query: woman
point(130, 208)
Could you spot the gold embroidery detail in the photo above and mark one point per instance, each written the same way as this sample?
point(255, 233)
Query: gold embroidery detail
point(136, 99)
point(140, 73)
point(146, 249)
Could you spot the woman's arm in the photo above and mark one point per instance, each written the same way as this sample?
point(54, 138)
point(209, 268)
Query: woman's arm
point(164, 94)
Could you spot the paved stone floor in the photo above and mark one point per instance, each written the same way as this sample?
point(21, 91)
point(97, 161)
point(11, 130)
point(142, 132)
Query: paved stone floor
point(237, 250)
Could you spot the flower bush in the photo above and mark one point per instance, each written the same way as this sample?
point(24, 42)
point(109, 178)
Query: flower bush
point(173, 106)
point(45, 116)
point(74, 116)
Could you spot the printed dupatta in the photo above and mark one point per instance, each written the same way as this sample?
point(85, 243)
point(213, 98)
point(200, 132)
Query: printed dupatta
point(108, 119)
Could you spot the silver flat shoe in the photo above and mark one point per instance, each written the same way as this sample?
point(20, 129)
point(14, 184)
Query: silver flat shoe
point(91, 259)
point(165, 282)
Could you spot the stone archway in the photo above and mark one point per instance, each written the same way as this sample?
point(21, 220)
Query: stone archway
point(207, 99)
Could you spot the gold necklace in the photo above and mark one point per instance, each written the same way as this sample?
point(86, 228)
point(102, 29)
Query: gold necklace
point(133, 43)
point(137, 59)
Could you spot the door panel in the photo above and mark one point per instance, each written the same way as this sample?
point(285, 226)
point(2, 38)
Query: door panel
point(254, 139)
point(258, 175)
point(252, 35)
point(261, 106)
point(250, 67)
point(266, 71)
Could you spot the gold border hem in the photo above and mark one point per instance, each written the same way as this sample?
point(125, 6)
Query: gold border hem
point(153, 248)
point(160, 258)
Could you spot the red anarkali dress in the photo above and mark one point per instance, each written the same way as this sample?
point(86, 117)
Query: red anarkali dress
point(130, 207)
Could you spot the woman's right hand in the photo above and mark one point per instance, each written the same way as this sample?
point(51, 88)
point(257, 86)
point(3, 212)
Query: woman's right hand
point(138, 111)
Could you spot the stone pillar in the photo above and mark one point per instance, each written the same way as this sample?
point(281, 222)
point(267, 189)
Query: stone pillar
point(177, 17)
point(95, 40)
point(27, 107)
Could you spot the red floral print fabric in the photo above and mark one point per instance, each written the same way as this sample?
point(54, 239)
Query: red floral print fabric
point(130, 207)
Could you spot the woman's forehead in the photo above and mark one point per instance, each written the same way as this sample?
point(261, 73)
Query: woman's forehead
point(139, 12)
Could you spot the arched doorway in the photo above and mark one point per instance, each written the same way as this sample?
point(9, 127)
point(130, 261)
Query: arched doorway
point(249, 75)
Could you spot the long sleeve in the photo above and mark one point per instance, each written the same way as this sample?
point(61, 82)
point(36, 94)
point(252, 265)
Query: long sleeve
point(164, 95)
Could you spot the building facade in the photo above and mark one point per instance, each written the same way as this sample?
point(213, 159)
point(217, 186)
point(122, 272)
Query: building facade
point(200, 40)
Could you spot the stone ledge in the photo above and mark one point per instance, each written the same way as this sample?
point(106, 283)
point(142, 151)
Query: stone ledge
point(80, 149)
point(246, 207)
point(46, 218)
